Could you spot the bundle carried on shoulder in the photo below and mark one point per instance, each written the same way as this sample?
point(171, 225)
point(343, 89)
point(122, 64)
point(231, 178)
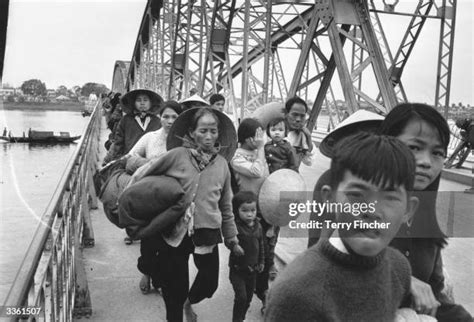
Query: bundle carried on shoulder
point(109, 183)
point(153, 204)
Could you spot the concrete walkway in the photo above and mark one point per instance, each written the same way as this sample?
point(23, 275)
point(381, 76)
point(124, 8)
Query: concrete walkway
point(113, 277)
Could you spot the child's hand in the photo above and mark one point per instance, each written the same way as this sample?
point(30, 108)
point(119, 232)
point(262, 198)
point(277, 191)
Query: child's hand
point(260, 268)
point(259, 138)
point(238, 251)
point(423, 297)
point(306, 160)
point(270, 232)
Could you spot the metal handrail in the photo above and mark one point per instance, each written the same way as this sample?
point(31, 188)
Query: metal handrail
point(51, 271)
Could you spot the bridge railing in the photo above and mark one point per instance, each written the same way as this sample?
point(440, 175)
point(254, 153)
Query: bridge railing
point(455, 137)
point(51, 282)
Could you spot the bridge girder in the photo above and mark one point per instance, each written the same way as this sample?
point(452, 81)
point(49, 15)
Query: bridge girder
point(255, 38)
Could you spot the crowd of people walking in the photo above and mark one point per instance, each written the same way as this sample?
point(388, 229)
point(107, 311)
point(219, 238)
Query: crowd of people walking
point(184, 177)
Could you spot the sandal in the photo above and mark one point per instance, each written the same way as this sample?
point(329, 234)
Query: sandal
point(145, 284)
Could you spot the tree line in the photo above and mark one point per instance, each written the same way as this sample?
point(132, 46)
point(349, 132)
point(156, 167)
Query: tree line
point(36, 87)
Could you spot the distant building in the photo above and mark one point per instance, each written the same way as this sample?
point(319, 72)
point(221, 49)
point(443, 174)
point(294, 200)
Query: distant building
point(4, 92)
point(51, 93)
point(62, 98)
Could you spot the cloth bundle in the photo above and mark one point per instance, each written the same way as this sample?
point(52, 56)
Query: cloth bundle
point(153, 204)
point(111, 192)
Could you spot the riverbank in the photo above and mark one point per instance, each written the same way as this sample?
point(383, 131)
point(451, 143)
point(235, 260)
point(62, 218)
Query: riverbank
point(34, 106)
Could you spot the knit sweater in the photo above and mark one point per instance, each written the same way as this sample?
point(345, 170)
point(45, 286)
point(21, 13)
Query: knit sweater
point(209, 189)
point(324, 284)
point(250, 172)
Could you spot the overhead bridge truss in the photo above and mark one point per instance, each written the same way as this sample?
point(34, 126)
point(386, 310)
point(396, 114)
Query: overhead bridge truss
point(255, 52)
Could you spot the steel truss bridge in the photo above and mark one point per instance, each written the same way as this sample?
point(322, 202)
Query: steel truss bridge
point(254, 52)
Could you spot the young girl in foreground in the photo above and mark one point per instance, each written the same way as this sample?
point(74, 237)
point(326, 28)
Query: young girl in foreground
point(427, 135)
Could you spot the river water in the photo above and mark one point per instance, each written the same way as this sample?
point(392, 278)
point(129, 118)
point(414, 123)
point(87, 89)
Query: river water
point(29, 176)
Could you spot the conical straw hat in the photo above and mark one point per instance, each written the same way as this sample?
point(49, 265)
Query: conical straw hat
point(128, 100)
point(279, 189)
point(360, 119)
point(195, 98)
point(227, 136)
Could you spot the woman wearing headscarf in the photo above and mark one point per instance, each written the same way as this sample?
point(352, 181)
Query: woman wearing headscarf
point(202, 141)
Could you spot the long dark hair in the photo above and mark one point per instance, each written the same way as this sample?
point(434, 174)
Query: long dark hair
point(425, 223)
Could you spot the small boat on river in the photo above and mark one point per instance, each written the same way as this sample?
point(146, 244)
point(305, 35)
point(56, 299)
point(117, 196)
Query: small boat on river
point(48, 137)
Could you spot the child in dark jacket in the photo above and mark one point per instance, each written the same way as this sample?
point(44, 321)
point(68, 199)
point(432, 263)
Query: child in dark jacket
point(243, 269)
point(278, 152)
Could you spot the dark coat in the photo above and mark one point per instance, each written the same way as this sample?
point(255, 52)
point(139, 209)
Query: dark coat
point(251, 240)
point(424, 255)
point(128, 132)
point(280, 155)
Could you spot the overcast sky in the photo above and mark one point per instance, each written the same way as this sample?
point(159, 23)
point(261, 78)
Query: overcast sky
point(71, 42)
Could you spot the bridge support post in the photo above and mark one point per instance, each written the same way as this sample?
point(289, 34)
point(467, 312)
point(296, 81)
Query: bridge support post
point(88, 233)
point(471, 190)
point(90, 187)
point(82, 300)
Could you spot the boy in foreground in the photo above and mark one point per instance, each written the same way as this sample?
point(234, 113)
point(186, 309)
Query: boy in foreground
point(244, 268)
point(354, 276)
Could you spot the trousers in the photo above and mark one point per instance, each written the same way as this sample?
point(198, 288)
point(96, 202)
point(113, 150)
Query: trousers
point(243, 284)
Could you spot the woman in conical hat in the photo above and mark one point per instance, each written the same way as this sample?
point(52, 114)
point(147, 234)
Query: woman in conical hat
point(129, 105)
point(226, 141)
point(140, 106)
point(195, 142)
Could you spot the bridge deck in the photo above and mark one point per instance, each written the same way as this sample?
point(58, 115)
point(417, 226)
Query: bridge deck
point(113, 278)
